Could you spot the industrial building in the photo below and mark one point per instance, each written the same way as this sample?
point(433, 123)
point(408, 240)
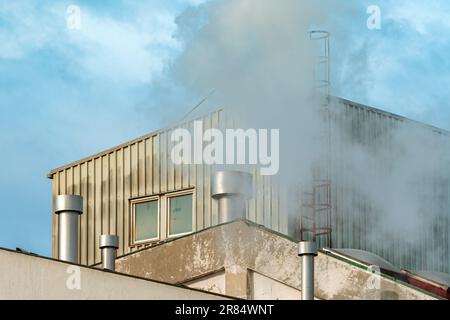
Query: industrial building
point(160, 211)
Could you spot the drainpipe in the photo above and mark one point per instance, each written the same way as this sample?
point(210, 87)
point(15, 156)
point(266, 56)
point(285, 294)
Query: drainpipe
point(108, 245)
point(68, 208)
point(307, 250)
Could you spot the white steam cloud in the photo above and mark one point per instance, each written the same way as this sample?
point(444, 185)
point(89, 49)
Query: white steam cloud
point(258, 57)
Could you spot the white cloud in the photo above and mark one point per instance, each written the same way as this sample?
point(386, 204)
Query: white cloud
point(132, 51)
point(122, 51)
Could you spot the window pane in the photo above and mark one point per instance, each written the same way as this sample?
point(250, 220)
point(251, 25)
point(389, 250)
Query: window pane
point(180, 214)
point(146, 216)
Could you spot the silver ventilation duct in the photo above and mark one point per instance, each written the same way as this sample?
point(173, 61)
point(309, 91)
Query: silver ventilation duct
point(232, 189)
point(307, 250)
point(68, 208)
point(108, 245)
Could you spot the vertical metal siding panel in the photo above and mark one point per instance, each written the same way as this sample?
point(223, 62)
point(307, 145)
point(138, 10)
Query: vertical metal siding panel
point(149, 166)
point(113, 193)
point(215, 123)
point(207, 182)
point(156, 164)
point(342, 182)
point(76, 180)
point(55, 217)
point(91, 212)
point(252, 202)
point(359, 223)
point(134, 181)
point(195, 178)
point(98, 206)
point(201, 220)
point(356, 213)
point(384, 146)
point(345, 126)
point(171, 168)
point(185, 174)
point(62, 182)
point(84, 216)
point(387, 144)
point(375, 119)
point(284, 208)
point(335, 163)
point(141, 168)
point(105, 195)
point(275, 209)
point(121, 212)
point(127, 195)
point(259, 200)
point(352, 194)
point(177, 169)
point(339, 176)
point(163, 161)
point(134, 170)
point(76, 191)
point(367, 209)
point(69, 180)
point(382, 125)
point(352, 213)
point(267, 206)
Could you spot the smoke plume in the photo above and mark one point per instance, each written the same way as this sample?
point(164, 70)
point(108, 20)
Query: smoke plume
point(259, 59)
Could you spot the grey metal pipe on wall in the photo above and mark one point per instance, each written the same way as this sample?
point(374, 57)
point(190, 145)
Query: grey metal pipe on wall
point(307, 250)
point(108, 245)
point(68, 208)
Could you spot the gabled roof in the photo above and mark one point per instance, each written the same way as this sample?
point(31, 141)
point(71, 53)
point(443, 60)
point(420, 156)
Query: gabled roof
point(334, 99)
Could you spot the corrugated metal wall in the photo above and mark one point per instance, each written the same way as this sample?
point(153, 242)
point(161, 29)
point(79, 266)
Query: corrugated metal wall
point(108, 181)
point(358, 222)
point(142, 168)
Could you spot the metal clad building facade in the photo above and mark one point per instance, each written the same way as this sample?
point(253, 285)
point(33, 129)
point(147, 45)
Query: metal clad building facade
point(142, 167)
point(388, 145)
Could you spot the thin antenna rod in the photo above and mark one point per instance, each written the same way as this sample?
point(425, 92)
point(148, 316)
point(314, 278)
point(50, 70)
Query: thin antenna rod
point(198, 105)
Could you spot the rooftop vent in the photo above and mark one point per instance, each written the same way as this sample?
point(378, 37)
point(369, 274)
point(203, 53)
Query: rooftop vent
point(232, 189)
point(307, 250)
point(108, 245)
point(68, 208)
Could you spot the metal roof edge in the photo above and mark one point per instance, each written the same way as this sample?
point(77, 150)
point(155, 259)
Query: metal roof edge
point(127, 144)
point(156, 132)
point(393, 115)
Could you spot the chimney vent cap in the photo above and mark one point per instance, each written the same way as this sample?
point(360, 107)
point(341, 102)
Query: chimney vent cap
point(68, 202)
point(232, 182)
point(307, 248)
point(109, 241)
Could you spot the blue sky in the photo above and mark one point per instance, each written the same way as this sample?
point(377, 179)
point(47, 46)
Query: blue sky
point(65, 94)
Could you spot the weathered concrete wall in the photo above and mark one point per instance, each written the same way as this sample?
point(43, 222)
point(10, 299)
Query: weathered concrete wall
point(28, 277)
point(242, 246)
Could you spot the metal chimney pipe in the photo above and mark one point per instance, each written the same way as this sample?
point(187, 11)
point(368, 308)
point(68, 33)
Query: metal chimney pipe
point(307, 250)
point(108, 245)
point(68, 208)
point(232, 189)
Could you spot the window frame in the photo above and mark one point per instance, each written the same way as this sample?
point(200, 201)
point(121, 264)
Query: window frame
point(167, 212)
point(133, 203)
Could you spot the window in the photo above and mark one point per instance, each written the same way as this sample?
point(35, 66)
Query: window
point(180, 214)
point(146, 220)
point(163, 216)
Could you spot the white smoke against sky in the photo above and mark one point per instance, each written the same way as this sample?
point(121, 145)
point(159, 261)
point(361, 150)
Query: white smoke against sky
point(258, 57)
